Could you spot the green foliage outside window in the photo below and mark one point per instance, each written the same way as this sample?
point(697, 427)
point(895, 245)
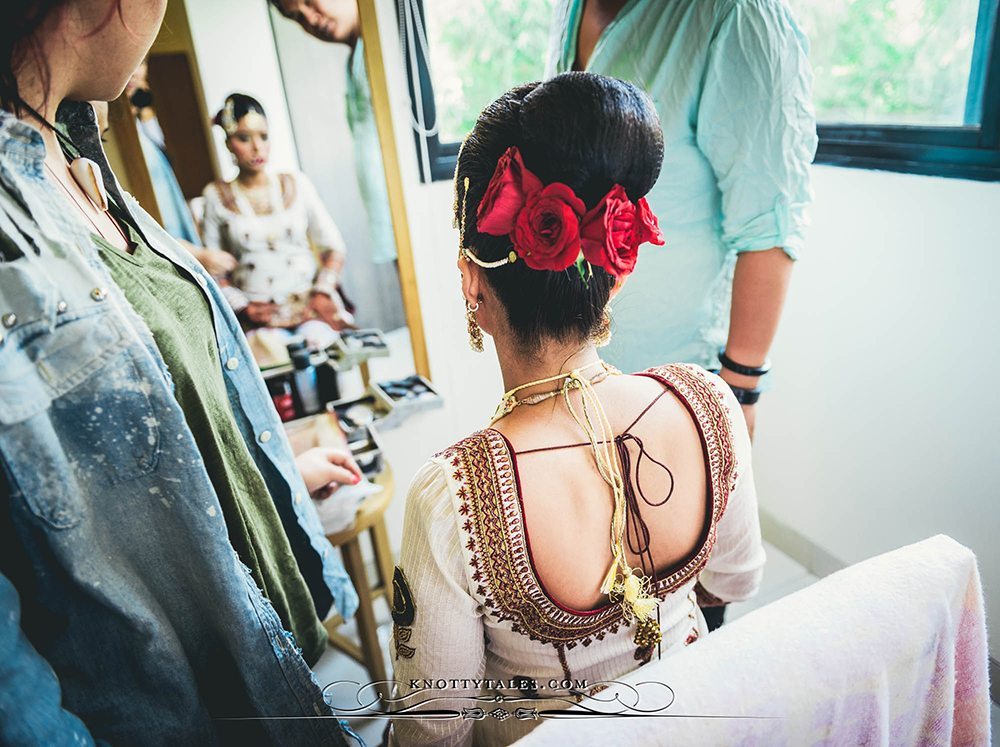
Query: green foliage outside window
point(890, 61)
point(875, 61)
point(479, 50)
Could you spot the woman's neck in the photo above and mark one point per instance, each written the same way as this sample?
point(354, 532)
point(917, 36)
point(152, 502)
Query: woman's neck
point(552, 359)
point(252, 179)
point(43, 98)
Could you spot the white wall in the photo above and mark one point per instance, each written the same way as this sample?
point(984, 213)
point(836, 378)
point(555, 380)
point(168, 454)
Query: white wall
point(882, 428)
point(884, 423)
point(234, 47)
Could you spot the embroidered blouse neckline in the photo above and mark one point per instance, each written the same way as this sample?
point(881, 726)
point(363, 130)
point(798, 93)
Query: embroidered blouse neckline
point(491, 516)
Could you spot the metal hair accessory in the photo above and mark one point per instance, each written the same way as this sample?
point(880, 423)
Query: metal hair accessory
point(229, 122)
point(228, 118)
point(463, 249)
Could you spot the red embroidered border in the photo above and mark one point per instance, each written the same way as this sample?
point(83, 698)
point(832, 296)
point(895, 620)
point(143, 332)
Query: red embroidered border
point(492, 522)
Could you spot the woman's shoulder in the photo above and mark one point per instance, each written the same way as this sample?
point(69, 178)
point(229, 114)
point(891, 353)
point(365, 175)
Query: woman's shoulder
point(474, 445)
point(692, 377)
point(220, 193)
point(709, 399)
point(462, 463)
point(452, 482)
point(294, 184)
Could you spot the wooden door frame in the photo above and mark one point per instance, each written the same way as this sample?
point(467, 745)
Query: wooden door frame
point(382, 109)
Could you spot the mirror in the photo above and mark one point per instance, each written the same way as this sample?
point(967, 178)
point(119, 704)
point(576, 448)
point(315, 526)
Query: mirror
point(330, 142)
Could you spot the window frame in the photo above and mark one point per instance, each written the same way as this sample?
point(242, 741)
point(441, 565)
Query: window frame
point(436, 160)
point(963, 152)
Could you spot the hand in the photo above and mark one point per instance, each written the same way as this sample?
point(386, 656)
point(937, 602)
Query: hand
point(260, 313)
point(331, 311)
point(216, 262)
point(324, 470)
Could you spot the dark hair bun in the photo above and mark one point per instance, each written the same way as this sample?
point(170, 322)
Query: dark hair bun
point(587, 131)
point(237, 106)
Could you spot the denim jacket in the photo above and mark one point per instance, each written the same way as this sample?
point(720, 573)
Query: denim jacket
point(120, 592)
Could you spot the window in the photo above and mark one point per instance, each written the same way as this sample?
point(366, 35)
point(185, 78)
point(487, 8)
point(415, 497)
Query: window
point(479, 50)
point(906, 85)
point(902, 85)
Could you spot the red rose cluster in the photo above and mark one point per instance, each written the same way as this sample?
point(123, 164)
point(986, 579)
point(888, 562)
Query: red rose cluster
point(552, 229)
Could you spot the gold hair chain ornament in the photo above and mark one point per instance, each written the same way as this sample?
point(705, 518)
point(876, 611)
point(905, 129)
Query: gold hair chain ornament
point(621, 582)
point(462, 248)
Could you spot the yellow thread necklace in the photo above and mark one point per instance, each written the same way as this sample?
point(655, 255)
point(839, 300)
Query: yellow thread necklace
point(628, 585)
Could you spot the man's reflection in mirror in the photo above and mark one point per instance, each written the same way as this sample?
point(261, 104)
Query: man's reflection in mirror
point(337, 21)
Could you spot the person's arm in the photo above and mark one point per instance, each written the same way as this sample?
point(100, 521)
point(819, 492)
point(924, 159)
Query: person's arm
point(326, 239)
point(324, 470)
point(31, 710)
point(438, 631)
point(757, 129)
point(212, 256)
point(736, 564)
point(760, 283)
point(322, 231)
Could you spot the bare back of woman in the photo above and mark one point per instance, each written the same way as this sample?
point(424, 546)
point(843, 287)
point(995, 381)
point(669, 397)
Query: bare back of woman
point(568, 505)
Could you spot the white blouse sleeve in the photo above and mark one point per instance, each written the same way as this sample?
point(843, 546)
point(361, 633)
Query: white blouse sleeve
point(322, 231)
point(212, 238)
point(439, 635)
point(736, 565)
point(211, 226)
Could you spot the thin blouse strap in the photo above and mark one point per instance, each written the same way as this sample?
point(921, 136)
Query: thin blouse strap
point(580, 445)
point(643, 413)
point(553, 448)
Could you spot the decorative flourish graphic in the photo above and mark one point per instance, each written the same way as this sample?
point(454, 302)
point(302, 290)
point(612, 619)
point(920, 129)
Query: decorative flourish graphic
point(617, 700)
point(608, 699)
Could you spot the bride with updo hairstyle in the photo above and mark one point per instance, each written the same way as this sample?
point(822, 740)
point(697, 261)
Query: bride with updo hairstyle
point(573, 539)
point(288, 250)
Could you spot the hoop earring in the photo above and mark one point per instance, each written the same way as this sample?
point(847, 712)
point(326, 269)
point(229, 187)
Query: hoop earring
point(475, 331)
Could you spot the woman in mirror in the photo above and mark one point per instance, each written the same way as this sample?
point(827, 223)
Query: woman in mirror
point(275, 226)
point(506, 570)
point(162, 570)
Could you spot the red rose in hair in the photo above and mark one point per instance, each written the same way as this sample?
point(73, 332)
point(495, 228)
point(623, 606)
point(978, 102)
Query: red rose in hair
point(509, 189)
point(608, 233)
point(613, 230)
point(547, 230)
point(648, 227)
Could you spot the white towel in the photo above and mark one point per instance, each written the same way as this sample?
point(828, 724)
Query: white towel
point(891, 651)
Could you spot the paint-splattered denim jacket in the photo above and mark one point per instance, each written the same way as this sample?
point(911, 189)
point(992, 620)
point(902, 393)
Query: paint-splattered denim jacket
point(125, 615)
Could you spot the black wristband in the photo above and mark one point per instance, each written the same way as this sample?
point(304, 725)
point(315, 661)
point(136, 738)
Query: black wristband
point(731, 365)
point(746, 396)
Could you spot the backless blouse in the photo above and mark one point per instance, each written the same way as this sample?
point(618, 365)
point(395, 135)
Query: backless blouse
point(472, 620)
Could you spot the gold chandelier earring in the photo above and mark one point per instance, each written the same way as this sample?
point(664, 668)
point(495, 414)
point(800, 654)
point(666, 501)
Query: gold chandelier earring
point(475, 331)
point(602, 334)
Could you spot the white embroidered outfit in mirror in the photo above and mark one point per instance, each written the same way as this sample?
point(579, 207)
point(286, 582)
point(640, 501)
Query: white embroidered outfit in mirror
point(277, 250)
point(478, 611)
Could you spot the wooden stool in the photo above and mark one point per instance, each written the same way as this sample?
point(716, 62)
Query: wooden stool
point(370, 518)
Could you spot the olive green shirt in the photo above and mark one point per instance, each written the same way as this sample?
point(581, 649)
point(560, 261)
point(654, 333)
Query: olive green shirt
point(179, 317)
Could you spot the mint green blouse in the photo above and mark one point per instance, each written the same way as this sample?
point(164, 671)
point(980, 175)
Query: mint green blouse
point(732, 84)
